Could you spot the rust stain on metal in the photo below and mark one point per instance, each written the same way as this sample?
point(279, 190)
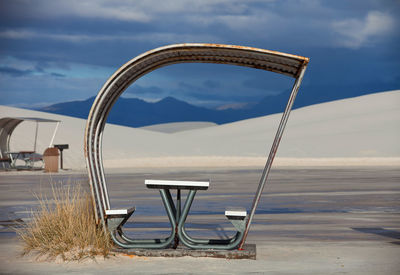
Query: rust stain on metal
point(306, 59)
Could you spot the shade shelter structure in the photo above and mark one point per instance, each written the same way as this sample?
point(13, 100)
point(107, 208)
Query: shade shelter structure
point(277, 62)
point(7, 127)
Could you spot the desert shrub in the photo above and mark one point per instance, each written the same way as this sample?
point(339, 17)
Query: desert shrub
point(65, 226)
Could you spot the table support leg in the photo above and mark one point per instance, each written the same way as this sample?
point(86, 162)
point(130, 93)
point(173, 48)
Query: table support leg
point(115, 228)
point(170, 201)
point(178, 204)
point(201, 243)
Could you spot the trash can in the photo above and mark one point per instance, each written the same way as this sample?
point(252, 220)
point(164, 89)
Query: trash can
point(50, 157)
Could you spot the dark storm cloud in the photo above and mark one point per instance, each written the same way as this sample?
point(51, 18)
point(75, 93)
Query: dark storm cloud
point(222, 98)
point(347, 41)
point(216, 93)
point(211, 84)
point(57, 75)
point(14, 72)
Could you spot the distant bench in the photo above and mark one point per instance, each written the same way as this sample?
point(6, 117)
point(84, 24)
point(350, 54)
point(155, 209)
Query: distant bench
point(29, 157)
point(5, 160)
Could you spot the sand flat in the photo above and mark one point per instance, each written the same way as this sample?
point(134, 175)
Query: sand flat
point(309, 221)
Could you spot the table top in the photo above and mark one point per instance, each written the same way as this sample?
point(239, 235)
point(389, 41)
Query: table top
point(177, 184)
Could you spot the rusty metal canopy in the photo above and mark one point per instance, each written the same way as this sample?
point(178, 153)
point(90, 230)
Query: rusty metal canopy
point(282, 63)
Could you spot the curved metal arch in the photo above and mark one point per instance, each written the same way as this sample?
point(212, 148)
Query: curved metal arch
point(287, 64)
point(7, 126)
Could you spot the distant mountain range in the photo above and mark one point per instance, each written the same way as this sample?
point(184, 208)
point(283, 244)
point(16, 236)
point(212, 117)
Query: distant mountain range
point(135, 112)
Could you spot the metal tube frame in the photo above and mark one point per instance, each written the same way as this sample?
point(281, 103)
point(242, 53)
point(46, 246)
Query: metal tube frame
point(180, 219)
point(272, 154)
point(201, 243)
point(36, 134)
point(54, 135)
point(152, 243)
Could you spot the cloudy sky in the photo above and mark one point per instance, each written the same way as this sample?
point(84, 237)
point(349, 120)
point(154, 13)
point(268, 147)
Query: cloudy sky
point(55, 51)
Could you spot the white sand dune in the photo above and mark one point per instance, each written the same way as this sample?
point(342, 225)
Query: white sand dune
point(358, 131)
point(175, 127)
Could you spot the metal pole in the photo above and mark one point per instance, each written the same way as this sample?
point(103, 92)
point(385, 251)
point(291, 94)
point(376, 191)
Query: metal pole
point(61, 158)
point(36, 133)
point(54, 134)
point(272, 153)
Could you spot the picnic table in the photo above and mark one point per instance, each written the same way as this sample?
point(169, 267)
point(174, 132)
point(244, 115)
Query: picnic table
point(177, 217)
point(29, 157)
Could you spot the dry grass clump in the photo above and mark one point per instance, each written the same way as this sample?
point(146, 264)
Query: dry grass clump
point(65, 227)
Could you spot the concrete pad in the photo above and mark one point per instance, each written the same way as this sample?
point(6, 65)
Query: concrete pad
point(248, 252)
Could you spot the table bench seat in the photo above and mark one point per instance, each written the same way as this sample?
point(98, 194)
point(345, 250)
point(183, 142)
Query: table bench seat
point(236, 213)
point(120, 212)
point(238, 217)
point(116, 218)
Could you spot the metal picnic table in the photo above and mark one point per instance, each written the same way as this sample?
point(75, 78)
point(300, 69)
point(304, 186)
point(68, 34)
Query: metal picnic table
point(177, 217)
point(29, 157)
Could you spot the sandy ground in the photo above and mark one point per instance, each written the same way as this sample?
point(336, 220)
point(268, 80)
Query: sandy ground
point(310, 220)
point(178, 126)
point(358, 131)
